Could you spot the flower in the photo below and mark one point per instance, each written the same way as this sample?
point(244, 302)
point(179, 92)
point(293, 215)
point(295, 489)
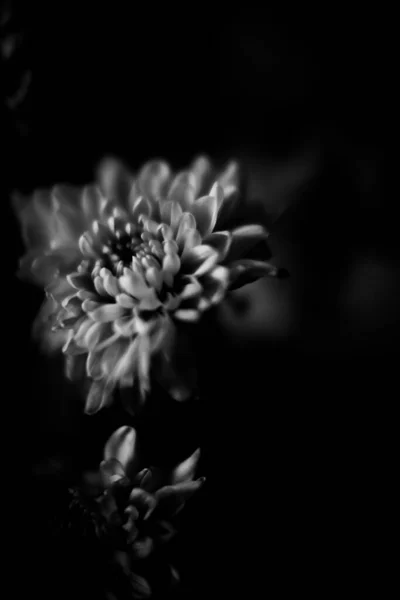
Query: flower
point(126, 260)
point(137, 505)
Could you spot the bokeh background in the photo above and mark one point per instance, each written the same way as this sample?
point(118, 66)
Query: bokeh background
point(299, 374)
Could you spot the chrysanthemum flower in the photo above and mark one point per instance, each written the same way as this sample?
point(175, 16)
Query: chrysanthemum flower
point(126, 260)
point(138, 505)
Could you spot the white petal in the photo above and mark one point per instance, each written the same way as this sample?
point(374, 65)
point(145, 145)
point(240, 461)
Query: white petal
point(205, 211)
point(133, 283)
point(107, 313)
point(217, 192)
point(187, 315)
point(121, 446)
point(185, 471)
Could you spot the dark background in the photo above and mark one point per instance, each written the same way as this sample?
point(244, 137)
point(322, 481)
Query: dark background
point(295, 424)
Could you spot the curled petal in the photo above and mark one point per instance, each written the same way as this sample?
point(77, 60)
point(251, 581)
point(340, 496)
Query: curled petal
point(246, 271)
point(122, 446)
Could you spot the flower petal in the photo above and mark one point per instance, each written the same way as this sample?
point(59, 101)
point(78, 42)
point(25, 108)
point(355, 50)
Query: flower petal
point(153, 177)
point(125, 301)
point(182, 190)
point(246, 271)
point(221, 241)
point(142, 548)
point(143, 501)
point(199, 260)
point(186, 223)
point(186, 470)
point(171, 212)
point(111, 471)
point(107, 313)
point(244, 238)
point(110, 282)
point(134, 284)
point(201, 169)
point(141, 206)
point(218, 192)
point(205, 211)
point(122, 446)
point(188, 315)
point(99, 396)
point(172, 498)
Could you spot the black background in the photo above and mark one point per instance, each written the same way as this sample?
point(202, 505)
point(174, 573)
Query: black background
point(296, 435)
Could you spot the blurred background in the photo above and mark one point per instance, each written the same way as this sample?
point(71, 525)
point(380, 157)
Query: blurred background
point(299, 376)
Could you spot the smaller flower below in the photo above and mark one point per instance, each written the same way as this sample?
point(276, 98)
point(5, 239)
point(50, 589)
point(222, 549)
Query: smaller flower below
point(139, 504)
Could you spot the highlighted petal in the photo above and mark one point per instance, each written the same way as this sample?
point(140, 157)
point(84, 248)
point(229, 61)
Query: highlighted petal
point(244, 239)
point(186, 223)
point(218, 193)
point(86, 246)
point(191, 290)
point(141, 206)
point(99, 396)
point(205, 211)
point(154, 277)
point(201, 169)
point(182, 190)
point(199, 260)
point(107, 313)
point(93, 335)
point(187, 315)
point(122, 446)
point(185, 471)
point(246, 271)
point(125, 301)
point(171, 212)
point(125, 326)
point(110, 283)
point(133, 283)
